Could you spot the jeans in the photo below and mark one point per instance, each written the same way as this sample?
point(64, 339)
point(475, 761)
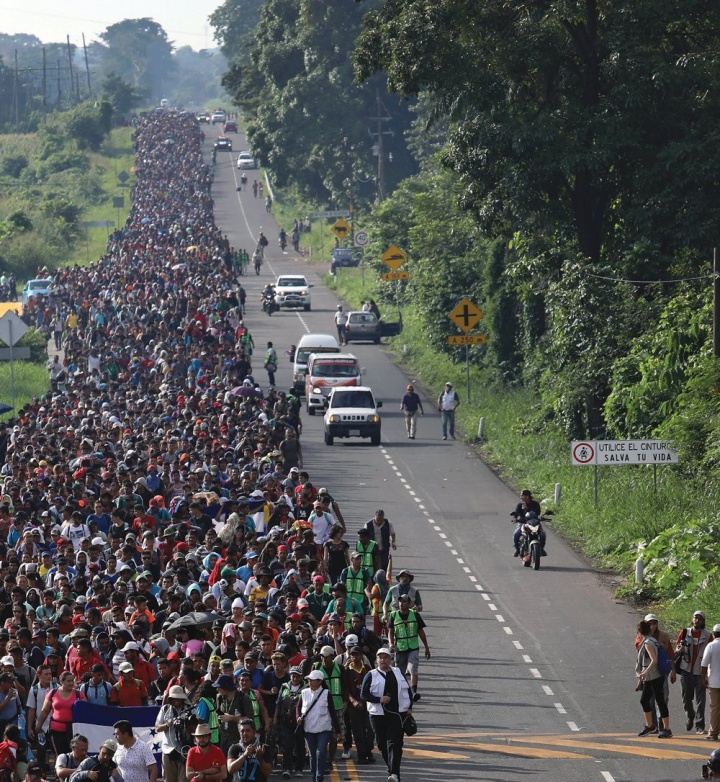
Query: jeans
point(361, 731)
point(317, 747)
point(691, 685)
point(388, 729)
point(714, 711)
point(448, 423)
point(411, 422)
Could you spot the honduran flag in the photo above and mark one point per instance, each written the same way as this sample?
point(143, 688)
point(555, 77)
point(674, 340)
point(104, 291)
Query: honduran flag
point(96, 724)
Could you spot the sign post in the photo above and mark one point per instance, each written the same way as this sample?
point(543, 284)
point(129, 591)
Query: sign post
point(466, 316)
point(12, 329)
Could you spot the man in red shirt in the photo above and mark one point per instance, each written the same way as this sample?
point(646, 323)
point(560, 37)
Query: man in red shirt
point(142, 669)
point(205, 761)
point(129, 691)
point(83, 663)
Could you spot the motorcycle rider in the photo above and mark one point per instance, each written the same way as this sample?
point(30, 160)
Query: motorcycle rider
point(282, 239)
point(530, 517)
point(267, 296)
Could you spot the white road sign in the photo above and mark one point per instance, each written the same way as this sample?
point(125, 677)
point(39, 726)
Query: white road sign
point(362, 239)
point(12, 328)
point(619, 452)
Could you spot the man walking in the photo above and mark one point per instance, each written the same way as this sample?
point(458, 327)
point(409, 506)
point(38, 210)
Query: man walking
point(271, 360)
point(387, 695)
point(410, 405)
point(134, 758)
point(711, 680)
point(340, 322)
point(691, 644)
point(447, 404)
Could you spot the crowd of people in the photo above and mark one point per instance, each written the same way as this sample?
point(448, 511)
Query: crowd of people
point(161, 542)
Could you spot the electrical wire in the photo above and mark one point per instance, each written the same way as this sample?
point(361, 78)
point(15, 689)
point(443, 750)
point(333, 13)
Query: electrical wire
point(710, 276)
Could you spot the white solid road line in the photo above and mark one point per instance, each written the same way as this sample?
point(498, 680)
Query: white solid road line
point(607, 776)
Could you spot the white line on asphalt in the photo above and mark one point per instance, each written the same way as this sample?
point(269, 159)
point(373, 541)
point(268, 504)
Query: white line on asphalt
point(547, 690)
point(492, 606)
point(606, 775)
point(536, 673)
point(448, 543)
point(411, 492)
point(527, 658)
point(417, 499)
point(453, 552)
point(432, 521)
point(462, 562)
point(425, 512)
point(466, 569)
point(478, 587)
point(486, 597)
point(422, 507)
point(499, 617)
point(517, 645)
point(573, 726)
point(437, 529)
point(560, 708)
point(402, 479)
point(508, 630)
point(473, 579)
point(442, 535)
point(390, 461)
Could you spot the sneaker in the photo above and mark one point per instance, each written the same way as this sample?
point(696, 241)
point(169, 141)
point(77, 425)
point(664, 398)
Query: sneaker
point(689, 724)
point(453, 436)
point(646, 730)
point(444, 438)
point(286, 775)
point(700, 731)
point(393, 778)
point(346, 754)
point(665, 734)
point(711, 737)
point(516, 553)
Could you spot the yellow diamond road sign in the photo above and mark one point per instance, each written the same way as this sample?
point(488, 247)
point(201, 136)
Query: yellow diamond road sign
point(394, 257)
point(341, 228)
point(466, 315)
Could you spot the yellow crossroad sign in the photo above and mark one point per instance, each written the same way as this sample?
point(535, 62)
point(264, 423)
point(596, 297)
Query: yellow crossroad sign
point(466, 315)
point(467, 339)
point(341, 228)
point(394, 257)
point(391, 276)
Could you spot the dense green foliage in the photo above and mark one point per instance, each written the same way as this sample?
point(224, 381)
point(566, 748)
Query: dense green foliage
point(307, 120)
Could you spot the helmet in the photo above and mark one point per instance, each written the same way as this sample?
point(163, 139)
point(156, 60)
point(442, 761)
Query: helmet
point(714, 761)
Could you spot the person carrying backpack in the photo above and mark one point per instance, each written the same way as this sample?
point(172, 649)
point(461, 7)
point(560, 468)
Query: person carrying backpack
point(447, 404)
point(651, 680)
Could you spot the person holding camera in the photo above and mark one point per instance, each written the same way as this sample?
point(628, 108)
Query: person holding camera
point(689, 650)
point(249, 758)
point(170, 724)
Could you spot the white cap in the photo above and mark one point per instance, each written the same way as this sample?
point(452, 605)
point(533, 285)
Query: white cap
point(315, 675)
point(97, 541)
point(131, 646)
point(651, 618)
point(384, 650)
point(125, 668)
point(238, 603)
point(351, 640)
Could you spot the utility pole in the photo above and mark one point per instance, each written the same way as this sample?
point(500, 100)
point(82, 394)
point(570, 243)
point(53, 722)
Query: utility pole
point(87, 66)
point(16, 95)
point(379, 146)
point(59, 85)
point(44, 86)
point(70, 65)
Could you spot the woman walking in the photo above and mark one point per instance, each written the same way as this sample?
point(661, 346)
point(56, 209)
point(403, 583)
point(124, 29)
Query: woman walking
point(58, 706)
point(652, 681)
point(318, 719)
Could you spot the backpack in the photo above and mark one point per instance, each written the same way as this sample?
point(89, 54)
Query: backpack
point(664, 662)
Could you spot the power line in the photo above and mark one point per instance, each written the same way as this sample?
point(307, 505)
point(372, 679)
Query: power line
point(711, 276)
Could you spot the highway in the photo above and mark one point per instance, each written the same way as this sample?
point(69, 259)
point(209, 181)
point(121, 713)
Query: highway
point(532, 673)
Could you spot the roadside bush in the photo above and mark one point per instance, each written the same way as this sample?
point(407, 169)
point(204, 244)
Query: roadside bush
point(13, 165)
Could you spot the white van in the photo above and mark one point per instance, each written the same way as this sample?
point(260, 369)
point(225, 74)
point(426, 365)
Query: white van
point(326, 371)
point(310, 343)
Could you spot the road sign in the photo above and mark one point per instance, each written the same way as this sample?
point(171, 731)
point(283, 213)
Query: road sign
point(466, 315)
point(18, 354)
point(392, 276)
point(394, 257)
point(620, 452)
point(12, 328)
point(331, 213)
point(362, 239)
point(467, 339)
point(341, 228)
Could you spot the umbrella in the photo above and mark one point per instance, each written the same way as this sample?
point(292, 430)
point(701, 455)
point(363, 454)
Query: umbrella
point(247, 391)
point(5, 408)
point(195, 619)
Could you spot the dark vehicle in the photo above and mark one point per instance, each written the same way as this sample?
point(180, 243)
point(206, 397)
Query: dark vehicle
point(344, 256)
point(230, 126)
point(223, 142)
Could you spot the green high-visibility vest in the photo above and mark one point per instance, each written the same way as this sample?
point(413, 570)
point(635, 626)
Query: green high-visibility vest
point(213, 721)
point(368, 554)
point(333, 682)
point(355, 583)
point(255, 708)
point(406, 631)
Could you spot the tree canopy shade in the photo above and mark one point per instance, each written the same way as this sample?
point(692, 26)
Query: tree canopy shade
point(234, 22)
point(591, 121)
point(308, 121)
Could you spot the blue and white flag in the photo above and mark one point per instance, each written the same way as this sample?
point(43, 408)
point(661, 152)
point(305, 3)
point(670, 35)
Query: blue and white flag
point(96, 724)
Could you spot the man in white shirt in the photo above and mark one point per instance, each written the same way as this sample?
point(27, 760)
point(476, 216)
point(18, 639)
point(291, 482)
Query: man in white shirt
point(134, 758)
point(447, 403)
point(711, 680)
point(340, 321)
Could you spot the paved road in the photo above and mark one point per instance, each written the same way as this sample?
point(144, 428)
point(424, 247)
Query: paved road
point(532, 672)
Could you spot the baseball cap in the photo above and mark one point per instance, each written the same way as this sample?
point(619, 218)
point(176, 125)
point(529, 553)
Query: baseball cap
point(384, 650)
point(699, 613)
point(125, 668)
point(316, 675)
point(351, 640)
point(651, 618)
point(327, 651)
point(716, 629)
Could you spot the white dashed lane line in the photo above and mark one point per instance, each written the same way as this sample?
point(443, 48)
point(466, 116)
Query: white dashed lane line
point(527, 660)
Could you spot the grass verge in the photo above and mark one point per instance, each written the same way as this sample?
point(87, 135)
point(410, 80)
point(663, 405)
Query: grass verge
point(30, 380)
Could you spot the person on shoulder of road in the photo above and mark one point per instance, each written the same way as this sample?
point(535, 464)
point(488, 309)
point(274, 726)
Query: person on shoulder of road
point(690, 648)
point(447, 404)
point(664, 640)
point(651, 680)
point(406, 628)
point(387, 695)
point(410, 404)
point(711, 679)
point(340, 323)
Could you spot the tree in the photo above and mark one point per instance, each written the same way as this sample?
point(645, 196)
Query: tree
point(581, 120)
point(234, 21)
point(121, 95)
point(138, 50)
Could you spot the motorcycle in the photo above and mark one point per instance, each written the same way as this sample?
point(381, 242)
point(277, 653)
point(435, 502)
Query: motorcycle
point(269, 305)
point(530, 545)
point(282, 241)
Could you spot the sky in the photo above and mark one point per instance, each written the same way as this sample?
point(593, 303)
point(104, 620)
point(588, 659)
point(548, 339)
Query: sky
point(184, 21)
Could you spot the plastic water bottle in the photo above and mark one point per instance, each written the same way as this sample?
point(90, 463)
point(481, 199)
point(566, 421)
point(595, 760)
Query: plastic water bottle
point(42, 738)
